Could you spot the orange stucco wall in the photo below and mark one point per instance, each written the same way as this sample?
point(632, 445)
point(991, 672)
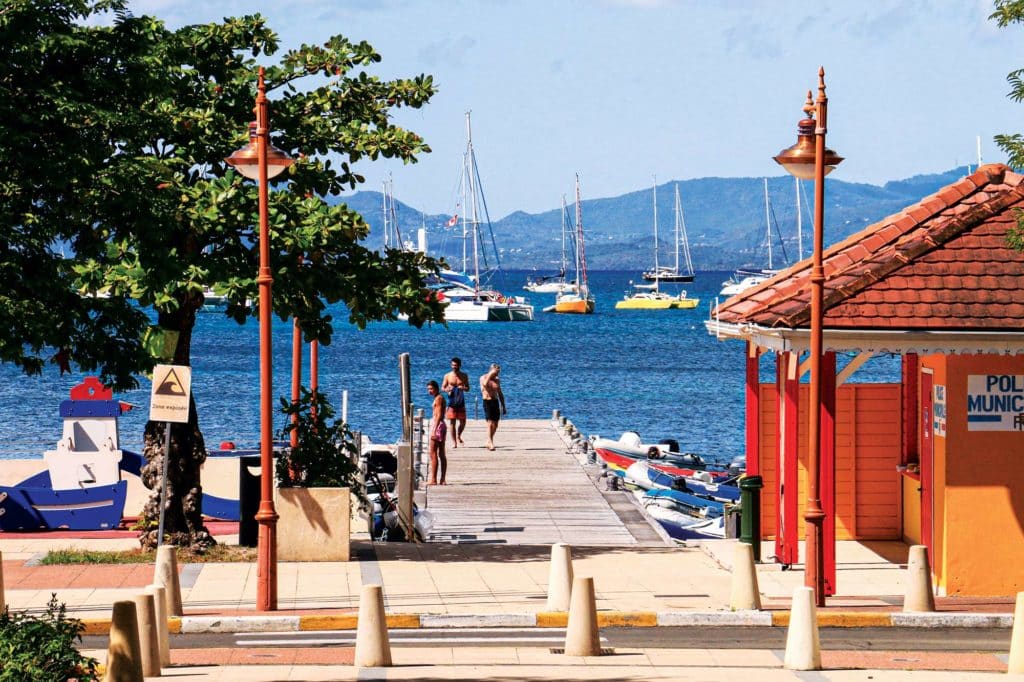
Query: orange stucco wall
point(868, 432)
point(978, 532)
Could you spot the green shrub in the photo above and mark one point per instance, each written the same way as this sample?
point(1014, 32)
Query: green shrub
point(325, 456)
point(42, 648)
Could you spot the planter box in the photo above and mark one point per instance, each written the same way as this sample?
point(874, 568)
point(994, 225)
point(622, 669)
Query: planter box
point(314, 524)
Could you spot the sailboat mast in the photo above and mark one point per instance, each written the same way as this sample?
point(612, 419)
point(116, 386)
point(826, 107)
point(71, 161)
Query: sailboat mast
point(677, 217)
point(655, 194)
point(799, 223)
point(473, 198)
point(384, 203)
point(768, 222)
point(565, 263)
point(681, 226)
point(581, 258)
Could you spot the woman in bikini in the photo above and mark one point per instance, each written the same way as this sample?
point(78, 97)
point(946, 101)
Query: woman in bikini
point(438, 431)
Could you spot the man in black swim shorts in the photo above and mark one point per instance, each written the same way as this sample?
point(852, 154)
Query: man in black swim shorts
point(493, 401)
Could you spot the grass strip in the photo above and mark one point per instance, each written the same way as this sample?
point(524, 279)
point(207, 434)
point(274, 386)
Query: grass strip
point(216, 554)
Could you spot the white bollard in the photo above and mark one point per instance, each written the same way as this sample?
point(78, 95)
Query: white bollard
point(162, 632)
point(560, 577)
point(803, 648)
point(745, 593)
point(581, 634)
point(919, 596)
point(1016, 662)
point(373, 650)
point(166, 575)
point(124, 659)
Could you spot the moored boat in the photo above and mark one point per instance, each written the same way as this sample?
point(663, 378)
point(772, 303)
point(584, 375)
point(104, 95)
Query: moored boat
point(579, 301)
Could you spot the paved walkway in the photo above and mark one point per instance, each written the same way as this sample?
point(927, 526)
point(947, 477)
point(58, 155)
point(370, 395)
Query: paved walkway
point(492, 571)
point(529, 491)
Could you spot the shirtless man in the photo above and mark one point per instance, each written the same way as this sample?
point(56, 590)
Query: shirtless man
point(490, 393)
point(456, 399)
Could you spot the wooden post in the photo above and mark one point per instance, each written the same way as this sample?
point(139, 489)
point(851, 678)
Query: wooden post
point(405, 489)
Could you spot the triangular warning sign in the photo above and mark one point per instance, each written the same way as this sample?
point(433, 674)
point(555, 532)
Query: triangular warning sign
point(170, 385)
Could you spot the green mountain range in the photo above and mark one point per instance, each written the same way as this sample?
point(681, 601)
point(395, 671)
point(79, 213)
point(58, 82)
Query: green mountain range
point(726, 222)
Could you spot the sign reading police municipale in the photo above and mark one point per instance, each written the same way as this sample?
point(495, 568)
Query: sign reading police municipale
point(168, 401)
point(995, 402)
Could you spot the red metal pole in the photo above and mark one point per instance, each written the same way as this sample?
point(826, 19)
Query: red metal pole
point(266, 516)
point(753, 400)
point(813, 514)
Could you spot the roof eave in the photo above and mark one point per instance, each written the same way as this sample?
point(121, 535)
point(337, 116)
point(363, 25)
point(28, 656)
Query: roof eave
point(922, 342)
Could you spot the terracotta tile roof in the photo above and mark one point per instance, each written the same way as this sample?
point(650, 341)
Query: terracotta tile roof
point(940, 264)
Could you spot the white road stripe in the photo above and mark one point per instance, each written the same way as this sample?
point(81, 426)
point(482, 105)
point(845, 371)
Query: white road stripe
point(411, 640)
point(336, 633)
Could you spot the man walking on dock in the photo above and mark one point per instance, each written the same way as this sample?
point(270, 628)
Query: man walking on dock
point(455, 384)
point(490, 393)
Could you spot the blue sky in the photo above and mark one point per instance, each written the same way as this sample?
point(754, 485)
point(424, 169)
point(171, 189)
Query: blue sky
point(622, 90)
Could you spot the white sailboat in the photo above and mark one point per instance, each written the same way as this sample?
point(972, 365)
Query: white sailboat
point(744, 279)
point(477, 304)
point(555, 284)
point(680, 271)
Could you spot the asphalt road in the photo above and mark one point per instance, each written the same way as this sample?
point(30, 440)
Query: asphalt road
point(841, 639)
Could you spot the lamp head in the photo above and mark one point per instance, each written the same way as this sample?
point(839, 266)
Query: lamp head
point(798, 160)
point(246, 159)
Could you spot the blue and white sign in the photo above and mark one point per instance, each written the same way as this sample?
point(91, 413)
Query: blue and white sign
point(995, 402)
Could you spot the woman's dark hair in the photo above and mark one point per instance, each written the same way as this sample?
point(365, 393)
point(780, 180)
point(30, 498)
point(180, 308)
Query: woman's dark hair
point(433, 384)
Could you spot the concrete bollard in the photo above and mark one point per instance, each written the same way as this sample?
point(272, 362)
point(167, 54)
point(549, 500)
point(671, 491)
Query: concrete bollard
point(149, 641)
point(555, 414)
point(1016, 662)
point(162, 633)
point(803, 648)
point(560, 577)
point(124, 660)
point(745, 593)
point(581, 635)
point(919, 596)
point(166, 575)
point(373, 650)
point(561, 420)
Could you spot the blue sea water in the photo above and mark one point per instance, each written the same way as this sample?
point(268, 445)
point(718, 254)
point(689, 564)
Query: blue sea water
point(656, 372)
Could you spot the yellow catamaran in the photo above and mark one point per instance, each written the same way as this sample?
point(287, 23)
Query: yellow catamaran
point(649, 296)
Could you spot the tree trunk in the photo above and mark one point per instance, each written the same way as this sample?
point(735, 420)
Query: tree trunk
point(183, 512)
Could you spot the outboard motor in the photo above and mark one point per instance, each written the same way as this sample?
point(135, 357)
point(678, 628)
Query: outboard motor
point(672, 443)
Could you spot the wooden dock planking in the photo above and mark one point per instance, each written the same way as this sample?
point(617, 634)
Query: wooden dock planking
point(529, 490)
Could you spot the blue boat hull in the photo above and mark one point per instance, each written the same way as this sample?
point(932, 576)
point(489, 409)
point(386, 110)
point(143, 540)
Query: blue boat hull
point(34, 505)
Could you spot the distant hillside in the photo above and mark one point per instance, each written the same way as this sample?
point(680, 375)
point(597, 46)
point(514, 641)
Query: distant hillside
point(725, 221)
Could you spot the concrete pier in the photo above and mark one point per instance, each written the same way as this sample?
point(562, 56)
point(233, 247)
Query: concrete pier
point(531, 490)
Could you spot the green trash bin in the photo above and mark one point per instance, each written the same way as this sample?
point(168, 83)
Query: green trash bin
point(750, 517)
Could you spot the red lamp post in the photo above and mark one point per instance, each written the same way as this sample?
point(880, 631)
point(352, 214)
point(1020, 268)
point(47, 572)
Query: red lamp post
point(809, 158)
point(260, 161)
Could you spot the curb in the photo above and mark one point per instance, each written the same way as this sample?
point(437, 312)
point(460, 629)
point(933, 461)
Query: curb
point(636, 619)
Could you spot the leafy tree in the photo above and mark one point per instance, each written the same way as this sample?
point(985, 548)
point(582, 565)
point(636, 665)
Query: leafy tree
point(171, 218)
point(1012, 12)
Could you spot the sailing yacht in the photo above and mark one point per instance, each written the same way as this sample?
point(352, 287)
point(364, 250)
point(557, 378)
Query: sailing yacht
point(743, 279)
point(555, 284)
point(471, 303)
point(680, 271)
point(650, 296)
point(580, 301)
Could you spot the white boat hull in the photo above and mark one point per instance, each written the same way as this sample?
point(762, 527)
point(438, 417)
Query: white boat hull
point(487, 311)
